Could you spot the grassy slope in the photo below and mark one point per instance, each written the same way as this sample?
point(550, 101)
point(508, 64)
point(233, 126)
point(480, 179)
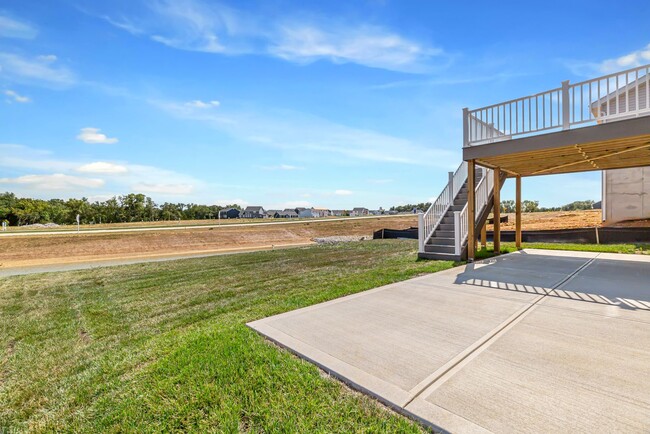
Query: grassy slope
point(163, 346)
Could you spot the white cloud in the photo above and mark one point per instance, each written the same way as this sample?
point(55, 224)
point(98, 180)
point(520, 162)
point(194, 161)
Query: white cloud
point(203, 105)
point(15, 97)
point(216, 28)
point(41, 69)
point(123, 177)
point(365, 45)
point(630, 60)
point(161, 188)
point(102, 167)
point(343, 192)
point(56, 181)
point(92, 135)
point(12, 28)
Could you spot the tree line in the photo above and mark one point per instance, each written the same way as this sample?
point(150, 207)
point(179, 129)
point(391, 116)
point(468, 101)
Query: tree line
point(508, 206)
point(131, 207)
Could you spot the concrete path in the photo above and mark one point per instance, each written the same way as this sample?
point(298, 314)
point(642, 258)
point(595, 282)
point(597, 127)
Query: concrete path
point(534, 341)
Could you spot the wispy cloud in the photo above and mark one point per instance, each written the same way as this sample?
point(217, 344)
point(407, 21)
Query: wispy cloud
point(93, 136)
point(303, 134)
point(14, 96)
point(197, 103)
point(365, 45)
point(626, 61)
point(13, 28)
point(629, 60)
point(39, 69)
point(56, 181)
point(343, 192)
point(216, 28)
point(102, 167)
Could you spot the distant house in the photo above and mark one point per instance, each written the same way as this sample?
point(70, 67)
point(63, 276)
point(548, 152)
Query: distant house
point(288, 214)
point(273, 213)
point(321, 212)
point(253, 212)
point(229, 213)
point(376, 211)
point(340, 212)
point(306, 213)
point(297, 210)
point(358, 212)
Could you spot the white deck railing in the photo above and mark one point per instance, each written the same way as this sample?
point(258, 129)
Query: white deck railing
point(429, 221)
point(611, 97)
point(461, 226)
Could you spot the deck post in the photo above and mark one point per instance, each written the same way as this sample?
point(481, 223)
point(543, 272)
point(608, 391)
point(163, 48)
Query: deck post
point(466, 127)
point(421, 235)
point(497, 211)
point(484, 236)
point(471, 210)
point(451, 188)
point(518, 213)
point(566, 106)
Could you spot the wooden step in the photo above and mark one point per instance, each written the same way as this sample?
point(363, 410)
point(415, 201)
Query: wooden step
point(439, 248)
point(434, 240)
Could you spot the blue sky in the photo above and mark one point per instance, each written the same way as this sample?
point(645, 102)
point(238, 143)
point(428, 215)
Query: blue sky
point(278, 103)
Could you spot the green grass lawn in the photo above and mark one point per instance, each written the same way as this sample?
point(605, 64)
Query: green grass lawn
point(164, 346)
point(605, 248)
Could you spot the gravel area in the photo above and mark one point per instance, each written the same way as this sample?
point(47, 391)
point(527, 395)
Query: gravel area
point(340, 239)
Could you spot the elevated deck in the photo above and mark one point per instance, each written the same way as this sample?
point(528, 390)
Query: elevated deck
point(602, 123)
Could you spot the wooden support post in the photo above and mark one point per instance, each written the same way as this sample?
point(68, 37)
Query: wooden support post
point(484, 236)
point(471, 210)
point(497, 211)
point(518, 214)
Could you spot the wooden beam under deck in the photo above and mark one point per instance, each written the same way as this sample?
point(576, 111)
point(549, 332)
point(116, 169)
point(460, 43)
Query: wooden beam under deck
point(614, 145)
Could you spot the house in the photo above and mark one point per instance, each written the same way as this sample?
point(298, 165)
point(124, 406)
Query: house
point(340, 212)
point(306, 213)
point(288, 214)
point(273, 213)
point(358, 212)
point(379, 211)
point(321, 212)
point(253, 212)
point(625, 193)
point(623, 190)
point(229, 213)
point(297, 210)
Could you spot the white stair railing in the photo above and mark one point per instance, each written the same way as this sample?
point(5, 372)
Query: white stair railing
point(430, 220)
point(483, 191)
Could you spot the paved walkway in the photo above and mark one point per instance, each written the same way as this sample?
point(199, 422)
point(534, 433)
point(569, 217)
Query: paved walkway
point(534, 341)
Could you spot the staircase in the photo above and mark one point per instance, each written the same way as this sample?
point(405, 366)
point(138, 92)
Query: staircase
point(443, 227)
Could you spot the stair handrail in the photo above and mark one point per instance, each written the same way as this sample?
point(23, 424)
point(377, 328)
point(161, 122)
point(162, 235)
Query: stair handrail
point(461, 227)
point(430, 220)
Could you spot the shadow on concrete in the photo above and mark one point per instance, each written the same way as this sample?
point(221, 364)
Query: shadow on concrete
point(622, 283)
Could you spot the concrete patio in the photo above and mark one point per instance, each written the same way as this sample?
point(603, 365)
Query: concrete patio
point(531, 341)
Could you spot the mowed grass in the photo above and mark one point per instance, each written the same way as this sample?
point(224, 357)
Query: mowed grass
point(164, 346)
point(601, 248)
